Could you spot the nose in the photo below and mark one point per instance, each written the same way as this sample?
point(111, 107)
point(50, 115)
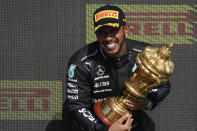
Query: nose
point(108, 38)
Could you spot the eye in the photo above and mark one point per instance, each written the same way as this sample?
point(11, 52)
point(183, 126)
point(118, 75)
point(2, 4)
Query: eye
point(100, 33)
point(111, 31)
point(114, 31)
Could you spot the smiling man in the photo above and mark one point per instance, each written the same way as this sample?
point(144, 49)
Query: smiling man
point(112, 40)
point(111, 29)
point(99, 70)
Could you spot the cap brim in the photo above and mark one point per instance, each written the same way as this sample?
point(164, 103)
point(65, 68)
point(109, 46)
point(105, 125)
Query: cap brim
point(117, 25)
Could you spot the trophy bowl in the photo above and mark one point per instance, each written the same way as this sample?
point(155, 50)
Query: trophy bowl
point(153, 68)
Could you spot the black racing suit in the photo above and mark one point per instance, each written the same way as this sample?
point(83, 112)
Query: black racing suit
point(92, 77)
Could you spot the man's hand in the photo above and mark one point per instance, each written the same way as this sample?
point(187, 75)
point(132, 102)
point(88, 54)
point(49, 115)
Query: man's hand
point(122, 124)
point(137, 103)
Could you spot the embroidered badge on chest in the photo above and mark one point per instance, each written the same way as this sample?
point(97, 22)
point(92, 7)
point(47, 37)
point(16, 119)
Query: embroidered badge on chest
point(100, 70)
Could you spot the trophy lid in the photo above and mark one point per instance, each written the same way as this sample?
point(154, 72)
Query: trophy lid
point(157, 61)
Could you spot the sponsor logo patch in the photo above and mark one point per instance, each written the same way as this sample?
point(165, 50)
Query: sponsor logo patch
point(100, 70)
point(72, 91)
point(72, 85)
point(71, 71)
point(104, 90)
point(106, 14)
point(73, 97)
point(87, 114)
point(101, 84)
point(101, 77)
point(73, 80)
point(134, 68)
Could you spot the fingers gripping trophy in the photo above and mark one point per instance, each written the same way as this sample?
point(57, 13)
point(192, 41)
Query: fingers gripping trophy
point(153, 68)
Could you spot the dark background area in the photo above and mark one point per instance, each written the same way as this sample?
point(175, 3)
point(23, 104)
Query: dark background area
point(37, 37)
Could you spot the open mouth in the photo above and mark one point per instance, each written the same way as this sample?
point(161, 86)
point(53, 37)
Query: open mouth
point(110, 46)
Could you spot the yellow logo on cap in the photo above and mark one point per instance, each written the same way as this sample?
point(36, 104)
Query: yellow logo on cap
point(106, 14)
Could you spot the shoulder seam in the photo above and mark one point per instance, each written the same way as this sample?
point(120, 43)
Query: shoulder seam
point(87, 56)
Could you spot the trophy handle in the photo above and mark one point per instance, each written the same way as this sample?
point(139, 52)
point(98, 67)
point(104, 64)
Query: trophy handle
point(100, 114)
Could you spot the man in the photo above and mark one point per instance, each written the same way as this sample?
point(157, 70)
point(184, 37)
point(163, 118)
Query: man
point(99, 70)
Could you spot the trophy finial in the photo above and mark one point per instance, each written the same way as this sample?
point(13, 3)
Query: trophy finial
point(156, 61)
point(165, 51)
point(170, 45)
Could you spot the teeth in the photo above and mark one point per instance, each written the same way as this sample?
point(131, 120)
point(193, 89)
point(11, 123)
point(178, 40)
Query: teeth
point(111, 45)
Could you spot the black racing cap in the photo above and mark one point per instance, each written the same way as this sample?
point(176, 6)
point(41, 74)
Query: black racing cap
point(108, 15)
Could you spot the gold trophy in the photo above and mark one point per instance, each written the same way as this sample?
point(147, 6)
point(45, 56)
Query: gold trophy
point(153, 68)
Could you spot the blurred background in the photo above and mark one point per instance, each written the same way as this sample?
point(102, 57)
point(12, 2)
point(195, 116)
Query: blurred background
point(37, 37)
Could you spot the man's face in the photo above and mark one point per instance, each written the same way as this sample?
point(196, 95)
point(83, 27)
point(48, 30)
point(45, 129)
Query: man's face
point(112, 40)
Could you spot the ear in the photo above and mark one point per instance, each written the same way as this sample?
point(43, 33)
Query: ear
point(126, 29)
